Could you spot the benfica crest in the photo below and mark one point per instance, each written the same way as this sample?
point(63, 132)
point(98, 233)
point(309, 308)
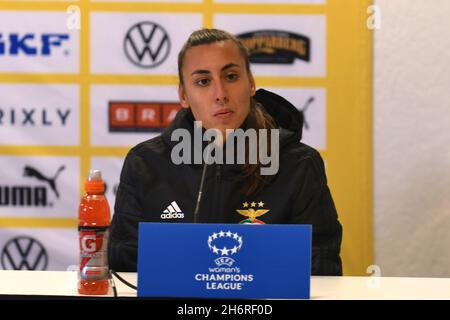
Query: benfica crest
point(252, 212)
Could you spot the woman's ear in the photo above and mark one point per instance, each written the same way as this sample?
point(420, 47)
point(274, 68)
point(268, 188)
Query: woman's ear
point(182, 96)
point(252, 86)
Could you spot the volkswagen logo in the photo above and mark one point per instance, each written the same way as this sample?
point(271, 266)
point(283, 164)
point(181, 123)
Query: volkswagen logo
point(147, 44)
point(24, 253)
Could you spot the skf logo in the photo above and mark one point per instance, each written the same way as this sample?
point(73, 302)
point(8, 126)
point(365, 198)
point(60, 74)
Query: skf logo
point(141, 116)
point(30, 44)
point(147, 44)
point(275, 46)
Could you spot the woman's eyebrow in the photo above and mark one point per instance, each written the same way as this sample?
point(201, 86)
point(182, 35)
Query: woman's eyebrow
point(225, 67)
point(200, 71)
point(229, 65)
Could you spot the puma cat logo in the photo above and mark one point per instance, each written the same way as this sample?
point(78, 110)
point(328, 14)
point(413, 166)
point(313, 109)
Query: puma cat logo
point(34, 173)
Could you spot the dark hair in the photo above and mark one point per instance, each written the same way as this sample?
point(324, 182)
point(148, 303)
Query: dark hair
point(207, 36)
point(257, 117)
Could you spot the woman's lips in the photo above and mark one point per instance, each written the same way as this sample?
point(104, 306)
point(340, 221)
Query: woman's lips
point(223, 114)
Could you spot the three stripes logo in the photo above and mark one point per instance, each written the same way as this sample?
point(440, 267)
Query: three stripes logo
point(173, 211)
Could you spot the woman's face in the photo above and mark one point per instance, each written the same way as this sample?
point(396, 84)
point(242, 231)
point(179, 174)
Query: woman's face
point(217, 86)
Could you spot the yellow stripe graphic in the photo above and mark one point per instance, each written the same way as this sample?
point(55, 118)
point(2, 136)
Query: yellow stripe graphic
point(66, 223)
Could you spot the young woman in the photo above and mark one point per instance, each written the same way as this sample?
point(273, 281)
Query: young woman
point(217, 88)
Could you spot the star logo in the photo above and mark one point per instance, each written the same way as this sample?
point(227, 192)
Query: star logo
point(225, 252)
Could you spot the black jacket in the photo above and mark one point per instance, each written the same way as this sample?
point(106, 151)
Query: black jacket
point(150, 182)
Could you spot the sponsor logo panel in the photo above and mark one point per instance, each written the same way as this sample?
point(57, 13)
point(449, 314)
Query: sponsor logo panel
point(37, 42)
point(281, 45)
point(128, 115)
point(39, 186)
point(147, 44)
point(45, 115)
point(276, 47)
point(133, 116)
point(38, 249)
point(142, 43)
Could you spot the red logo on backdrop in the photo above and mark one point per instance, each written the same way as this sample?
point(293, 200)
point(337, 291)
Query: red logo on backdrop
point(141, 116)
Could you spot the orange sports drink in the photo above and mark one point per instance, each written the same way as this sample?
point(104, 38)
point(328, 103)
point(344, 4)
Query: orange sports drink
point(93, 229)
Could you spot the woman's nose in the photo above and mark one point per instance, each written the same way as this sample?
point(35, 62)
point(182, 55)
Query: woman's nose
point(221, 93)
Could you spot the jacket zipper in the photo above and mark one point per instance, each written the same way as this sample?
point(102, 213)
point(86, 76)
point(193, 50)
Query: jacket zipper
point(218, 205)
point(218, 173)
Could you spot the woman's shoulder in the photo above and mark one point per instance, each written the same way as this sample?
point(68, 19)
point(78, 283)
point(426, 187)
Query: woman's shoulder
point(299, 151)
point(300, 159)
point(154, 146)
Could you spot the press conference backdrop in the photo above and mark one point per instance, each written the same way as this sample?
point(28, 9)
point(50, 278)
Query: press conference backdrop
point(83, 81)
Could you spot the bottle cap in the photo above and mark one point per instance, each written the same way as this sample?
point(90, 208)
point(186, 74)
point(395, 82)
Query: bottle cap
point(94, 175)
point(94, 182)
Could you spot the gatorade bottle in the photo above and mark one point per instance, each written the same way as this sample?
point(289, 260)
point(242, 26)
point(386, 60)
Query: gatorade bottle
point(93, 223)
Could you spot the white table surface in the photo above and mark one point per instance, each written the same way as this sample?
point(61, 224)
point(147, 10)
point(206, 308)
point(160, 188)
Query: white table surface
point(64, 283)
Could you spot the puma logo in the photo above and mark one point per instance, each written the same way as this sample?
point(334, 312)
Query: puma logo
point(115, 188)
point(303, 110)
point(34, 173)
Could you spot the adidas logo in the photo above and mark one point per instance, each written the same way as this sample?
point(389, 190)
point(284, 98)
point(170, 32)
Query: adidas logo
point(173, 211)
